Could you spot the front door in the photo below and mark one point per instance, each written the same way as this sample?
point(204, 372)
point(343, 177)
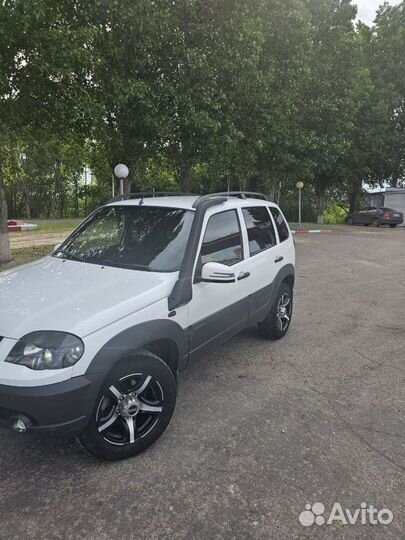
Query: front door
point(219, 310)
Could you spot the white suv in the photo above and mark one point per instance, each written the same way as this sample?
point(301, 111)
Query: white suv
point(94, 335)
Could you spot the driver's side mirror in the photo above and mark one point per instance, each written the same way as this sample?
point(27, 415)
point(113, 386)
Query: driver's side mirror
point(213, 272)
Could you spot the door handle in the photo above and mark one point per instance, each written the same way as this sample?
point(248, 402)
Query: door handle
point(243, 275)
point(278, 259)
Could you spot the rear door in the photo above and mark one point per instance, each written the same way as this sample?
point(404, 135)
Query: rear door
point(264, 258)
point(219, 310)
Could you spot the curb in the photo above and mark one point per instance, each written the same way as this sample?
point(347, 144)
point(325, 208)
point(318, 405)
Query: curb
point(312, 231)
point(20, 226)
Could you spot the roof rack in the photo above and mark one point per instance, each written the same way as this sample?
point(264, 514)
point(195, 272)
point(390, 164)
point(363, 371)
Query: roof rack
point(238, 194)
point(221, 196)
point(148, 194)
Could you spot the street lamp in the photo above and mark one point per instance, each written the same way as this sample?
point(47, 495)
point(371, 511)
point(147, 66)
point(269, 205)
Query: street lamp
point(121, 171)
point(299, 186)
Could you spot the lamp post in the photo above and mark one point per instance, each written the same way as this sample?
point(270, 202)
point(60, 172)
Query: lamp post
point(121, 171)
point(299, 186)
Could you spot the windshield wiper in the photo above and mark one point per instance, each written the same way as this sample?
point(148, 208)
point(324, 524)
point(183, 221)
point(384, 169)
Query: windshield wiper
point(128, 266)
point(70, 256)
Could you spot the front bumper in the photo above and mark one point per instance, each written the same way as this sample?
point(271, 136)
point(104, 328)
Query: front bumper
point(63, 407)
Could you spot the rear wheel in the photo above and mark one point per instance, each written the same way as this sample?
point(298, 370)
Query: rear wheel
point(375, 222)
point(393, 225)
point(349, 221)
point(133, 408)
point(276, 324)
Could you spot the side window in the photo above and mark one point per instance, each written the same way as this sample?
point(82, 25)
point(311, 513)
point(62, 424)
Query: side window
point(222, 241)
point(260, 229)
point(281, 225)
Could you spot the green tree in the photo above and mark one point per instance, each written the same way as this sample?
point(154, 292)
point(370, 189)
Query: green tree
point(387, 65)
point(330, 99)
point(44, 77)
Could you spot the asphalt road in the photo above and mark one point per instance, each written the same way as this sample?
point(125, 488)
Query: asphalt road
point(261, 429)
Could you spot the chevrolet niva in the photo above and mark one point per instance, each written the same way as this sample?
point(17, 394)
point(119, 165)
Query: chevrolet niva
point(93, 336)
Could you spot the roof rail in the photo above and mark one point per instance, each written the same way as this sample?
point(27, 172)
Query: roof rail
point(238, 194)
point(147, 194)
point(219, 198)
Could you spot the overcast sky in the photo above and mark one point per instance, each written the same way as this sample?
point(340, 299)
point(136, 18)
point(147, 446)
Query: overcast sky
point(368, 8)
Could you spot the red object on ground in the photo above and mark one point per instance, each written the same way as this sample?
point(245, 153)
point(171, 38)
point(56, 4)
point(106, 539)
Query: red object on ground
point(18, 226)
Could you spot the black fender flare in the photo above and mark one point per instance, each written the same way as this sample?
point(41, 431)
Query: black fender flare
point(287, 271)
point(137, 337)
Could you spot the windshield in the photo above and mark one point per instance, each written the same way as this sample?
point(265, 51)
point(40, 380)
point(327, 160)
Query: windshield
point(147, 238)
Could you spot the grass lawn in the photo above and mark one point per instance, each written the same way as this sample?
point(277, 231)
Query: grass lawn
point(55, 225)
point(26, 255)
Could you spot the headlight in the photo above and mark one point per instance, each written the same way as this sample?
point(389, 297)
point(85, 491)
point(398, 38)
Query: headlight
point(47, 350)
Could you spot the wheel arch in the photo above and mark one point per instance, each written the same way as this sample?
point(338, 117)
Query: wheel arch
point(289, 280)
point(164, 338)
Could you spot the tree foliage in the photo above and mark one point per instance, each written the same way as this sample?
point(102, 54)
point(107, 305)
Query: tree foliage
point(196, 95)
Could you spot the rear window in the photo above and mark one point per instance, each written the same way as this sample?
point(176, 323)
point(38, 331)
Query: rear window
point(281, 225)
point(260, 229)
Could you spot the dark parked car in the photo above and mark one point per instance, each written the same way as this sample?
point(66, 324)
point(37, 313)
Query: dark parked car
point(376, 217)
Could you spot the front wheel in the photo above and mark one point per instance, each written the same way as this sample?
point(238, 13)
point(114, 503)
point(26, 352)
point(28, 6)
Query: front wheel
point(349, 221)
point(133, 408)
point(393, 225)
point(276, 324)
point(375, 222)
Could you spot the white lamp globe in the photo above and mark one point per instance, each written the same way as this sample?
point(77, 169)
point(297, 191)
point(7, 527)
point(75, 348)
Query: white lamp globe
point(121, 171)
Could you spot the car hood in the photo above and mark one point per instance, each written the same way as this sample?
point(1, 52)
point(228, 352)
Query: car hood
point(75, 297)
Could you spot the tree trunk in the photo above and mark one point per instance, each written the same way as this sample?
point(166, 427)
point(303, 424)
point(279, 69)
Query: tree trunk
point(5, 250)
point(27, 208)
point(56, 189)
point(321, 204)
point(355, 196)
point(185, 178)
point(128, 182)
point(76, 196)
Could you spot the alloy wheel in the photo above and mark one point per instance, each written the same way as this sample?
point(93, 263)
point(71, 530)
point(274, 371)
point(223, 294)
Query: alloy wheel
point(129, 409)
point(284, 308)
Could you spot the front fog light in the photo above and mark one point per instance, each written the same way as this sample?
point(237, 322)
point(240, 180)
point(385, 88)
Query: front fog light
point(47, 350)
point(19, 426)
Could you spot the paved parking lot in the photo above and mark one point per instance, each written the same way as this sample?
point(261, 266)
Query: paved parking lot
point(261, 429)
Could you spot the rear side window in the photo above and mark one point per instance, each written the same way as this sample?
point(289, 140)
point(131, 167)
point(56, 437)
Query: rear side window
point(281, 225)
point(260, 229)
point(222, 241)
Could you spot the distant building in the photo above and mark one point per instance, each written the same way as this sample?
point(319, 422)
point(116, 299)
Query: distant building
point(388, 198)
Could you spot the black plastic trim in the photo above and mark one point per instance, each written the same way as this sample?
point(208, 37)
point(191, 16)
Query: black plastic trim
point(182, 291)
point(262, 300)
point(228, 194)
point(62, 407)
point(137, 337)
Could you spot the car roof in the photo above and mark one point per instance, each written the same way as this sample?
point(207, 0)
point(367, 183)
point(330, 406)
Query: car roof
point(186, 202)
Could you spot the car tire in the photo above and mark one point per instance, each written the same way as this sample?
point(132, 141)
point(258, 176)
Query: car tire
point(276, 324)
point(375, 222)
point(349, 221)
point(133, 408)
point(393, 225)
